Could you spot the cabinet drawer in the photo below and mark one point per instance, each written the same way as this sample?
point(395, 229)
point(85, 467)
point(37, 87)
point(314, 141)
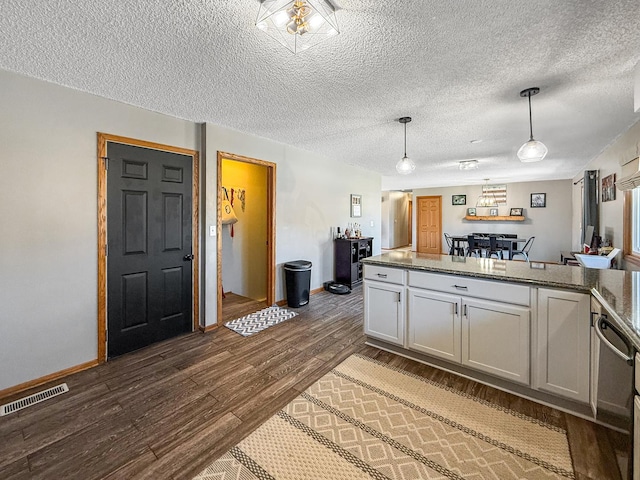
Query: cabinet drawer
point(384, 274)
point(471, 287)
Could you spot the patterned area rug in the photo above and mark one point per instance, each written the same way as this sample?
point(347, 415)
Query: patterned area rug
point(258, 321)
point(365, 419)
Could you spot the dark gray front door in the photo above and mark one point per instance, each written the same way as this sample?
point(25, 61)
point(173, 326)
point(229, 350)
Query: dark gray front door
point(149, 281)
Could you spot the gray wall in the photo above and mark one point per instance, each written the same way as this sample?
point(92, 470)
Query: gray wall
point(551, 225)
point(48, 210)
point(48, 255)
point(312, 198)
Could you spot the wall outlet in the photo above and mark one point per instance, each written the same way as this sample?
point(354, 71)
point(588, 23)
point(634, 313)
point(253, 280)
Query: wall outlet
point(212, 230)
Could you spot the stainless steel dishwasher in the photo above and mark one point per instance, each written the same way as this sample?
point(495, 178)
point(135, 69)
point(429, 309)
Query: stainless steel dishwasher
point(612, 375)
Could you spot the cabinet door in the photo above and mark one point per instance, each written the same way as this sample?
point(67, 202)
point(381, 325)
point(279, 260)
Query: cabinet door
point(434, 324)
point(384, 315)
point(563, 343)
point(495, 339)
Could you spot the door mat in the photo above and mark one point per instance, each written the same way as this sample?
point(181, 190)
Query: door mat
point(367, 420)
point(258, 321)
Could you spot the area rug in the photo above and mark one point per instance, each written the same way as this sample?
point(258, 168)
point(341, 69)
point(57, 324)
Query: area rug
point(258, 321)
point(365, 419)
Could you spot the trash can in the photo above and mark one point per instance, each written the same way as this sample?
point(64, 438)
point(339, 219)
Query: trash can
point(298, 279)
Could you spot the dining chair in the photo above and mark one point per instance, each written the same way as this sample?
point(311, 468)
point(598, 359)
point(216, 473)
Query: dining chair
point(493, 247)
point(453, 250)
point(473, 247)
point(525, 250)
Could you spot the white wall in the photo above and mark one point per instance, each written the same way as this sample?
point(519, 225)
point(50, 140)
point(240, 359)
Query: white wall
point(312, 198)
point(48, 211)
point(244, 255)
point(611, 160)
point(550, 225)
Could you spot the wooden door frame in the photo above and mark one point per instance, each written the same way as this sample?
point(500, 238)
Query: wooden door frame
point(417, 227)
point(103, 138)
point(271, 225)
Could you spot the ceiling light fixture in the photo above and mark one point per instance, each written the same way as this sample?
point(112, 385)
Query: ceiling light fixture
point(487, 198)
point(405, 166)
point(468, 164)
point(298, 24)
point(533, 150)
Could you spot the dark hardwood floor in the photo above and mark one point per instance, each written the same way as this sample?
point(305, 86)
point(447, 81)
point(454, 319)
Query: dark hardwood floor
point(170, 409)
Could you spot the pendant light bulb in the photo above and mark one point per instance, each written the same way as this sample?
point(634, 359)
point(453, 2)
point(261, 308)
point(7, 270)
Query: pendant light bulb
point(405, 166)
point(533, 150)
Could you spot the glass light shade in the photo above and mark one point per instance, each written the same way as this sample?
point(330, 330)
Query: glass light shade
point(297, 24)
point(486, 200)
point(405, 166)
point(532, 151)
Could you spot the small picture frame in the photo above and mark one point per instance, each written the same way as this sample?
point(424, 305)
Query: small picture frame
point(471, 212)
point(493, 212)
point(515, 212)
point(609, 188)
point(356, 205)
point(538, 200)
point(458, 199)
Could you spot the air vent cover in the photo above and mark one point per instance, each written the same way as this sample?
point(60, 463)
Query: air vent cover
point(32, 399)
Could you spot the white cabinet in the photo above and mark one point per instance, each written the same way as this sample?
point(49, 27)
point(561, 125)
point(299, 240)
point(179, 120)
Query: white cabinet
point(563, 344)
point(484, 335)
point(495, 339)
point(384, 304)
point(433, 324)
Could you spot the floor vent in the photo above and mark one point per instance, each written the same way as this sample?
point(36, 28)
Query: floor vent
point(32, 399)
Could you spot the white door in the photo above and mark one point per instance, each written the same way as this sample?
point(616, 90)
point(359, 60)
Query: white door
point(434, 324)
point(384, 316)
point(495, 339)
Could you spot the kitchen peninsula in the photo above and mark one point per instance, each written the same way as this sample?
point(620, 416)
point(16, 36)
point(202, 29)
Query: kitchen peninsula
point(522, 327)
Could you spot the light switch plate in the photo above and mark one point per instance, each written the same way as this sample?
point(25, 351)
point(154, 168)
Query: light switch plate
point(212, 231)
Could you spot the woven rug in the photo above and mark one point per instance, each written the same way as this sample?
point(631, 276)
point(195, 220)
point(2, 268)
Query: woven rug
point(365, 419)
point(258, 321)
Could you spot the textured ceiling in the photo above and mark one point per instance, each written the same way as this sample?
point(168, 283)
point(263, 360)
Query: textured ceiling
point(456, 67)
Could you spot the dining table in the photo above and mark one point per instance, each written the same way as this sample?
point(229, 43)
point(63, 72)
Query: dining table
point(506, 244)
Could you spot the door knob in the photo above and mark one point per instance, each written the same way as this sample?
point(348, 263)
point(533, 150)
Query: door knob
point(188, 257)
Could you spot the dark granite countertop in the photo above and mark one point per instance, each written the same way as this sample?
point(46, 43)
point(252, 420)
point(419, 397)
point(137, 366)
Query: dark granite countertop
point(617, 290)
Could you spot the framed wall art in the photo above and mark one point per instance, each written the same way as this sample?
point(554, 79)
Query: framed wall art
point(458, 199)
point(538, 200)
point(356, 205)
point(515, 212)
point(609, 188)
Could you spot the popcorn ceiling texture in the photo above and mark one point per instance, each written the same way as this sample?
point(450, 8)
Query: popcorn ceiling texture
point(456, 67)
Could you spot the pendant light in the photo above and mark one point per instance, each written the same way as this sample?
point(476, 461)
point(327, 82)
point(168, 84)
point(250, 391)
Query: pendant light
point(533, 150)
point(405, 166)
point(486, 199)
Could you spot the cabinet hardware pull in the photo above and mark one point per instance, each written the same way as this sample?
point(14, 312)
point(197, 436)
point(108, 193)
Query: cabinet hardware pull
point(399, 297)
point(456, 309)
point(465, 311)
point(382, 275)
point(460, 286)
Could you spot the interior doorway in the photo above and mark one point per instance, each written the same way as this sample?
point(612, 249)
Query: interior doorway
point(246, 249)
point(429, 224)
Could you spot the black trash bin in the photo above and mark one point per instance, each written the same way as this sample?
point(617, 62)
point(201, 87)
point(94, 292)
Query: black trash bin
point(298, 279)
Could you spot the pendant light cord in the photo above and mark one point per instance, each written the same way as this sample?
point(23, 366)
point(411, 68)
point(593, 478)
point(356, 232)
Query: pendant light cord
point(530, 121)
point(405, 140)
